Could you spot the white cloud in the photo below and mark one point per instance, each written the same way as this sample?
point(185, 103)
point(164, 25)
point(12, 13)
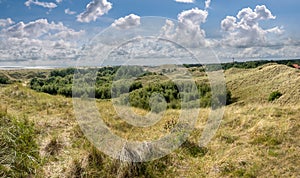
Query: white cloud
point(68, 34)
point(243, 38)
point(150, 51)
point(188, 31)
point(34, 29)
point(6, 22)
point(39, 40)
point(207, 4)
point(94, 9)
point(49, 5)
point(40, 28)
point(194, 16)
point(69, 12)
point(185, 1)
point(59, 1)
point(260, 52)
point(127, 22)
point(244, 29)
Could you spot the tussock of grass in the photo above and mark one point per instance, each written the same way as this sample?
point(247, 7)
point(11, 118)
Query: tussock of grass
point(19, 155)
point(75, 170)
point(54, 146)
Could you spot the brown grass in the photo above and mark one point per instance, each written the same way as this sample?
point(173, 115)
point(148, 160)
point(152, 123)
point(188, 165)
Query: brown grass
point(256, 138)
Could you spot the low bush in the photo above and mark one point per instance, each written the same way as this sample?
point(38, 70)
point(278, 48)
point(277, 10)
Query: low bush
point(274, 95)
point(4, 79)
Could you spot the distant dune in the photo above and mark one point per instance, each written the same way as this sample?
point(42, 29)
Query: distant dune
point(255, 85)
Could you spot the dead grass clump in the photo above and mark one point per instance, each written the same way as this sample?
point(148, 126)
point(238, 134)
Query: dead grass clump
point(54, 146)
point(75, 170)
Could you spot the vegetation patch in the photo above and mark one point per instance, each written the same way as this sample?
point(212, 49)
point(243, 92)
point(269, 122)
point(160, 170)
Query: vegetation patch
point(257, 138)
point(4, 79)
point(19, 155)
point(132, 86)
point(274, 95)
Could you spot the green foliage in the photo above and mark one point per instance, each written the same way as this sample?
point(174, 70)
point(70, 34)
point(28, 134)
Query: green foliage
point(62, 73)
point(274, 95)
point(126, 84)
point(267, 139)
point(19, 155)
point(193, 149)
point(255, 64)
point(135, 86)
point(244, 65)
point(4, 79)
point(128, 72)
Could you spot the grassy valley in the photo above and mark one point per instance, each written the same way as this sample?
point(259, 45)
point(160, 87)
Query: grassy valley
point(40, 136)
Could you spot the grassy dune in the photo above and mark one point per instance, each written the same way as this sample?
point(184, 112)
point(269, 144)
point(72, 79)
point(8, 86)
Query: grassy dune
point(255, 85)
point(256, 138)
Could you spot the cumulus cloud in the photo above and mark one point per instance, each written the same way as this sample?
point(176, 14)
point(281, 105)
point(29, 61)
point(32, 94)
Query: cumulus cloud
point(244, 30)
point(35, 29)
point(207, 4)
point(49, 5)
point(194, 16)
point(94, 9)
point(188, 31)
point(69, 12)
point(40, 28)
point(59, 1)
point(127, 22)
point(260, 52)
point(18, 49)
point(39, 40)
point(150, 51)
point(6, 22)
point(185, 1)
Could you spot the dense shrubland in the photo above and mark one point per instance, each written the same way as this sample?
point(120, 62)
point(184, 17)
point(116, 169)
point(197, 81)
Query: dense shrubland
point(129, 84)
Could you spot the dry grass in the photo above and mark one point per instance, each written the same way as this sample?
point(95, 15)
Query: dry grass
point(255, 85)
point(256, 138)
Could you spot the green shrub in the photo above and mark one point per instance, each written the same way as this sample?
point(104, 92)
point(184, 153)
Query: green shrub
point(113, 82)
point(4, 79)
point(275, 95)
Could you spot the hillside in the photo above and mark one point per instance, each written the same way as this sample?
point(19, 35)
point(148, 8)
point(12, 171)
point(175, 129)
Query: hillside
point(255, 85)
point(256, 138)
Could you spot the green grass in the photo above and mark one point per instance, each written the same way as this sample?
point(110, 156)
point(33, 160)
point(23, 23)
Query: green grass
point(19, 152)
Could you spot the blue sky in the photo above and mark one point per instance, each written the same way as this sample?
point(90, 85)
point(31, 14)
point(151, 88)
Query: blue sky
point(267, 29)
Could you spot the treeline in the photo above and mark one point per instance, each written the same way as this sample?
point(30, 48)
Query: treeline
point(96, 82)
point(255, 64)
point(243, 65)
point(126, 83)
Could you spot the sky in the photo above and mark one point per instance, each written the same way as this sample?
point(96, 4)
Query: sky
point(55, 32)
